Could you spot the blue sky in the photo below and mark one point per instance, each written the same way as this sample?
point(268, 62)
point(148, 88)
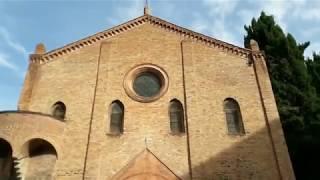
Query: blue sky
point(23, 24)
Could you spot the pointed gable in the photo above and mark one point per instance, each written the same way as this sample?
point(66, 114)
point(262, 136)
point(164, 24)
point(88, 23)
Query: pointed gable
point(145, 166)
point(157, 22)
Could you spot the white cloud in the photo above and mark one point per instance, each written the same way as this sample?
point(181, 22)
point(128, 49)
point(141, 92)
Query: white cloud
point(220, 7)
point(11, 43)
point(217, 27)
point(314, 47)
point(221, 18)
point(289, 14)
point(124, 13)
point(283, 10)
point(132, 11)
point(308, 11)
point(310, 32)
point(220, 31)
point(4, 62)
point(246, 15)
point(199, 24)
point(312, 14)
point(279, 9)
point(167, 10)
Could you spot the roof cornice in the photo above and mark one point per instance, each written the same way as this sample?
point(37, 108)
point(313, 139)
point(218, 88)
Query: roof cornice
point(186, 33)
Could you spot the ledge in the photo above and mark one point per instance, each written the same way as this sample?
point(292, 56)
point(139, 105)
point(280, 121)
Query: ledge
point(21, 113)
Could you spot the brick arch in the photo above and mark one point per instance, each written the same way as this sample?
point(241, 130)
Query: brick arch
point(40, 159)
point(25, 147)
point(23, 151)
point(20, 127)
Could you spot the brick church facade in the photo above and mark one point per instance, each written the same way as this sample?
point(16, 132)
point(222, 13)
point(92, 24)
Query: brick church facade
point(145, 100)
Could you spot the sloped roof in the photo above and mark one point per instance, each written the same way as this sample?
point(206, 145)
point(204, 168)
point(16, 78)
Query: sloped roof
point(103, 35)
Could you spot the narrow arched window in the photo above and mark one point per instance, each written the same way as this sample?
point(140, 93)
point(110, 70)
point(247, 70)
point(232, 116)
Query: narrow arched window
point(233, 117)
point(116, 117)
point(176, 117)
point(59, 110)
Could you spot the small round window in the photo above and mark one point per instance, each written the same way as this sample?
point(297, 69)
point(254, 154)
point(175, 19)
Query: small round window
point(146, 83)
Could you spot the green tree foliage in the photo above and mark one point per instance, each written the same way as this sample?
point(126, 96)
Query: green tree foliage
point(296, 85)
point(313, 66)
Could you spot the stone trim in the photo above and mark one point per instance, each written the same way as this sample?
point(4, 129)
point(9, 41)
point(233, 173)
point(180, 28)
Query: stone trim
point(186, 33)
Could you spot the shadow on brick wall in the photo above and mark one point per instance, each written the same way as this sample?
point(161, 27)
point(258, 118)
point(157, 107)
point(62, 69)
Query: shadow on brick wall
point(251, 158)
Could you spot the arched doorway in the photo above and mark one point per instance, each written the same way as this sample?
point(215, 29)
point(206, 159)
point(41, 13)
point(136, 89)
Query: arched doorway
point(5, 159)
point(41, 160)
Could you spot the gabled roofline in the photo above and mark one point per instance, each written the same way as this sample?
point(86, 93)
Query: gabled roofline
point(188, 34)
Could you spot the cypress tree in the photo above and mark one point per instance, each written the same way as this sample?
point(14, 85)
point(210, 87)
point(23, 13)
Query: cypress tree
point(296, 86)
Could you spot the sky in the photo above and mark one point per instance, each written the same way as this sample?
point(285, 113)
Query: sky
point(23, 24)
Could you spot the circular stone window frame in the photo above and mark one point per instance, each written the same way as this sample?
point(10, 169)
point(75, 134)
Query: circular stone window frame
point(138, 70)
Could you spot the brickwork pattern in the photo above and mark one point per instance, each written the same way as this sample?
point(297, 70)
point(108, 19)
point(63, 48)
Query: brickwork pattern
point(200, 76)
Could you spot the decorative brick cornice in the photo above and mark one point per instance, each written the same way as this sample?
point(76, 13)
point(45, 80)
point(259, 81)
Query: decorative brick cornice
point(258, 54)
point(188, 34)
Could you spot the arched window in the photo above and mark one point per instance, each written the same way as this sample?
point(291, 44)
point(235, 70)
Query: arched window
point(116, 117)
point(233, 117)
point(176, 117)
point(59, 110)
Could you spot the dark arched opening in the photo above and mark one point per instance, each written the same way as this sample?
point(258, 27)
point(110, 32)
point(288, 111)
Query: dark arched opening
point(59, 110)
point(116, 117)
point(41, 161)
point(176, 117)
point(6, 159)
